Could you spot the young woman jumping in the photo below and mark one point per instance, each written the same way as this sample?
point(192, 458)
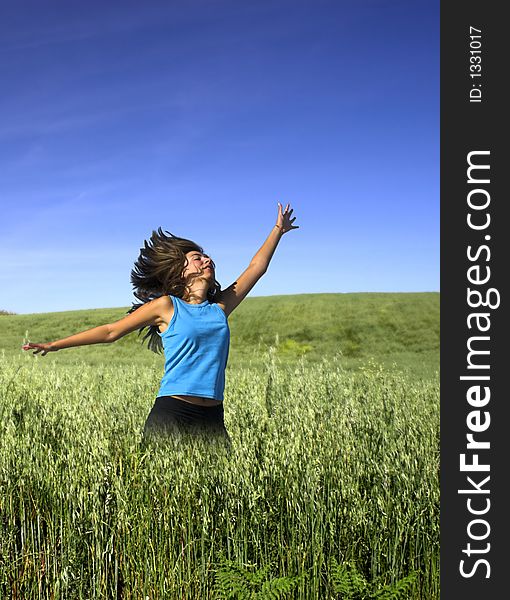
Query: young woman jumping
point(185, 312)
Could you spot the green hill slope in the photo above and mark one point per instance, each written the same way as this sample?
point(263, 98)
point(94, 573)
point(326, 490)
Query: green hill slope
point(391, 328)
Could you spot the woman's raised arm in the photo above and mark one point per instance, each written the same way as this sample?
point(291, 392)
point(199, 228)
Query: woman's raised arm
point(232, 296)
point(148, 314)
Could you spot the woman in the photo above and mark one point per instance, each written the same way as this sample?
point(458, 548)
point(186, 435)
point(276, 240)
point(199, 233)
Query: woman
point(186, 313)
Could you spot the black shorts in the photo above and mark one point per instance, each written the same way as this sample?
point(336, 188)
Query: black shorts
point(171, 416)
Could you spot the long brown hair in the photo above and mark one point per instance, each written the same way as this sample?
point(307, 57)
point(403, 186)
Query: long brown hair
point(158, 271)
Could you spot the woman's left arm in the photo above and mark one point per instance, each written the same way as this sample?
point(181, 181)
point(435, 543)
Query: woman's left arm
point(232, 296)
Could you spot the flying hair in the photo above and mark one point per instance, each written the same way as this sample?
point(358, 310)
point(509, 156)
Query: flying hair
point(159, 271)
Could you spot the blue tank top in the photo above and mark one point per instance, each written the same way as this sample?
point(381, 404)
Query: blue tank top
point(196, 345)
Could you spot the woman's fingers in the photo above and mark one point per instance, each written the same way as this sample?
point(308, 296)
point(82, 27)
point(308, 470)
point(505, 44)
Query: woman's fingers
point(36, 347)
point(280, 206)
point(287, 222)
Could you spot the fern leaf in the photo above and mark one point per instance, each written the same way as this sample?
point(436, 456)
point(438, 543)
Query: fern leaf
point(228, 588)
point(398, 590)
point(257, 577)
point(347, 581)
point(232, 583)
point(275, 588)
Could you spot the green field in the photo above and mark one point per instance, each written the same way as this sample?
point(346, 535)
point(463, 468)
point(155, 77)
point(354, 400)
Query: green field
point(331, 489)
point(393, 329)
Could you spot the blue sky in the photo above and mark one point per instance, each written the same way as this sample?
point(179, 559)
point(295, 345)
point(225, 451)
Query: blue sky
point(198, 117)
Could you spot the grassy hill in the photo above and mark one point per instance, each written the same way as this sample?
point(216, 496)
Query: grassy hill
point(400, 329)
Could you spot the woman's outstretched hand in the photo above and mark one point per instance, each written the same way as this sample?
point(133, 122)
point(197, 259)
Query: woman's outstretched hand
point(284, 222)
point(44, 348)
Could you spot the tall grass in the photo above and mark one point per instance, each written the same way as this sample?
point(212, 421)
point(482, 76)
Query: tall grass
point(325, 465)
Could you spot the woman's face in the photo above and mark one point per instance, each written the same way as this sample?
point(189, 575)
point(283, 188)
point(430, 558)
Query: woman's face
point(199, 263)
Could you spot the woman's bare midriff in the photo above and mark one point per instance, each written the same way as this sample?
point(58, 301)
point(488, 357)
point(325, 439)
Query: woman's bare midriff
point(198, 400)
